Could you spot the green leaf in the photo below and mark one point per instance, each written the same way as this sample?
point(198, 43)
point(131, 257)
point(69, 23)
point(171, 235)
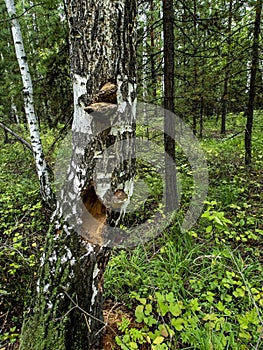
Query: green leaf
point(160, 297)
point(148, 309)
point(139, 314)
point(163, 308)
point(210, 296)
point(150, 320)
point(220, 306)
point(209, 229)
point(158, 340)
point(176, 309)
point(218, 221)
point(194, 306)
point(133, 345)
point(239, 293)
point(228, 298)
point(142, 300)
point(170, 297)
point(210, 317)
point(245, 335)
point(163, 330)
point(177, 323)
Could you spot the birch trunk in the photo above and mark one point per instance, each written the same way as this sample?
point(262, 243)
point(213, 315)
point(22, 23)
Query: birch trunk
point(41, 165)
point(99, 181)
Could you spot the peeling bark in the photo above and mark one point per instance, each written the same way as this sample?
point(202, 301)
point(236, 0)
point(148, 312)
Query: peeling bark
point(99, 181)
point(104, 105)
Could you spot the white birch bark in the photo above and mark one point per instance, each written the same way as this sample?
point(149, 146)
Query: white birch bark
point(41, 165)
point(97, 181)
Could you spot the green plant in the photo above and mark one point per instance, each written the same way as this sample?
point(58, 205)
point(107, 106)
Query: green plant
point(163, 322)
point(213, 302)
point(23, 221)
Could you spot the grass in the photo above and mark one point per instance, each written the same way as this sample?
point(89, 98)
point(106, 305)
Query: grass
point(215, 271)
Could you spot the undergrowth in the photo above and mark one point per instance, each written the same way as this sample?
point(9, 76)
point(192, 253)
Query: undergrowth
point(23, 224)
point(201, 289)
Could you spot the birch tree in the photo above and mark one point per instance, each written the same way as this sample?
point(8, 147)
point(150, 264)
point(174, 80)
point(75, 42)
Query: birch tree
point(41, 165)
point(99, 179)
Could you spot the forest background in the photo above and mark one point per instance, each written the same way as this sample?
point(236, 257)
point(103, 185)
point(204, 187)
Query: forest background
point(200, 289)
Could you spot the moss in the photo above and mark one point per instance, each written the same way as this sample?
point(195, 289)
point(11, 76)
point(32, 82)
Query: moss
point(45, 328)
point(56, 322)
point(35, 336)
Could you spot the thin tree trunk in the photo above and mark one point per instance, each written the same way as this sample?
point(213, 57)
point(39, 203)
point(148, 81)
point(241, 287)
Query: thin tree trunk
point(6, 139)
point(169, 120)
point(252, 85)
point(201, 121)
point(152, 51)
point(41, 166)
point(225, 96)
point(99, 179)
point(13, 114)
point(195, 82)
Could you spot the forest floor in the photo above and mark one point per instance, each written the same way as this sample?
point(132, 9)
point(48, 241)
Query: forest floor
point(201, 289)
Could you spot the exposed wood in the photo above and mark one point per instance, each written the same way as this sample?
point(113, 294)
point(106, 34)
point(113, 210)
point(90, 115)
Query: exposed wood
point(93, 224)
point(108, 93)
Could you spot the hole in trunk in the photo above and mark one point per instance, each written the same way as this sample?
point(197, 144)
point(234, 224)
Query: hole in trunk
point(92, 227)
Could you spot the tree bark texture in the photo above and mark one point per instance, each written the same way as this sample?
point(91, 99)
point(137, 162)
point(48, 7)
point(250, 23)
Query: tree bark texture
point(169, 120)
point(99, 179)
point(252, 84)
point(41, 166)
